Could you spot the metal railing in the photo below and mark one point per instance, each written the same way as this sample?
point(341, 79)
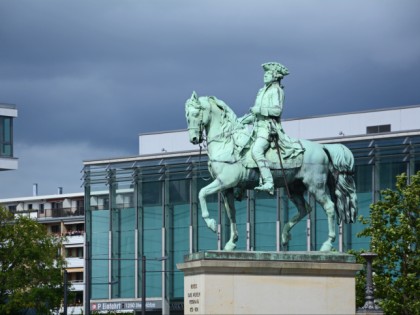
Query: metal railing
point(51, 213)
point(61, 212)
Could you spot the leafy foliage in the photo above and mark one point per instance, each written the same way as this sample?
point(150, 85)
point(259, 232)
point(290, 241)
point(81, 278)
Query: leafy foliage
point(30, 266)
point(393, 227)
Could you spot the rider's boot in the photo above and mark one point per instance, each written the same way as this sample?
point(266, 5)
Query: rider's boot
point(267, 178)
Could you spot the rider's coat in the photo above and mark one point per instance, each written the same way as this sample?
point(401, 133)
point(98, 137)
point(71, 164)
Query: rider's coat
point(268, 108)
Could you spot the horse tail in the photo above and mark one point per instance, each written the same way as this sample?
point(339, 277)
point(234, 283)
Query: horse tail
point(341, 182)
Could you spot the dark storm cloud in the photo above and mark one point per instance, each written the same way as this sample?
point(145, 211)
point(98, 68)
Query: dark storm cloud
point(100, 72)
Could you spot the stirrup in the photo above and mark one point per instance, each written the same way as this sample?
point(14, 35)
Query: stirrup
point(268, 187)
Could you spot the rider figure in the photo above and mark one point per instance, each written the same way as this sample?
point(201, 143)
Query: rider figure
point(267, 112)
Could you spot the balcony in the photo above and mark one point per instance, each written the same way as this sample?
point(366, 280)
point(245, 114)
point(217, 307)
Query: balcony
point(74, 237)
point(8, 163)
point(75, 310)
point(75, 262)
point(77, 286)
point(61, 212)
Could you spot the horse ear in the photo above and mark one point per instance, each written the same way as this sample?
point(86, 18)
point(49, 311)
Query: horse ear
point(194, 96)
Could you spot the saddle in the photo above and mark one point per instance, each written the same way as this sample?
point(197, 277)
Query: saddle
point(272, 157)
point(291, 151)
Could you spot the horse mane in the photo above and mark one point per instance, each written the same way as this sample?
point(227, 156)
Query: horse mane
point(229, 119)
point(230, 128)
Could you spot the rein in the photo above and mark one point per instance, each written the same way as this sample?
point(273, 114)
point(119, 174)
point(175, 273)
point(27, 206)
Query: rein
point(199, 164)
point(206, 143)
point(201, 150)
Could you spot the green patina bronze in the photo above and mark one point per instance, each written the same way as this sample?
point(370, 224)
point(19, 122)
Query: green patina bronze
point(272, 256)
point(264, 157)
point(266, 115)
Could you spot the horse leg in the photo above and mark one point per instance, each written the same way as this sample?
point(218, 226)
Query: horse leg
point(228, 198)
point(303, 209)
point(316, 182)
point(210, 189)
point(329, 209)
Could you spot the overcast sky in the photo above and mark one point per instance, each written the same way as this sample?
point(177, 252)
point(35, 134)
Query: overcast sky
point(88, 76)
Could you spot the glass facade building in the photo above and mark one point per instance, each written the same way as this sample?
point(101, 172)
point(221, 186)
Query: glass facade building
point(8, 113)
point(6, 136)
point(148, 206)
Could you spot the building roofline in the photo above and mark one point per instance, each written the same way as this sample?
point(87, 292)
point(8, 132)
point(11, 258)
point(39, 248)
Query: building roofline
point(355, 112)
point(8, 106)
point(41, 197)
point(161, 132)
point(370, 136)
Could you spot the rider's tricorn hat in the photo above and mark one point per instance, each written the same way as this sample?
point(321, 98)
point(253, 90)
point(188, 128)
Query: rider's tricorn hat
point(276, 67)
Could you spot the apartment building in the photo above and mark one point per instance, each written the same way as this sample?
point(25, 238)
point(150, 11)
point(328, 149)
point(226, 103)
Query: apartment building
point(63, 215)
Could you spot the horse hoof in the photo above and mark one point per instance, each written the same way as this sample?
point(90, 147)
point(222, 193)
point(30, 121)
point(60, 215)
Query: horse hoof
point(211, 224)
point(229, 247)
point(326, 247)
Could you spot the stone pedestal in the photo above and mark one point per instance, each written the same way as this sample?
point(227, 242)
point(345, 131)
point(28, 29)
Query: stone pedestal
point(217, 282)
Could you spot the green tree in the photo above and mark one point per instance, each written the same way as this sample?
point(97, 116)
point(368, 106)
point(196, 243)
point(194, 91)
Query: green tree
point(30, 266)
point(393, 227)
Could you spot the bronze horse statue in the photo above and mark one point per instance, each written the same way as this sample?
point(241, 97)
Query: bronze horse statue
point(325, 171)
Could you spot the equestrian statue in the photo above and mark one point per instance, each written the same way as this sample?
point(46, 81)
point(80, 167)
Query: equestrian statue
point(264, 157)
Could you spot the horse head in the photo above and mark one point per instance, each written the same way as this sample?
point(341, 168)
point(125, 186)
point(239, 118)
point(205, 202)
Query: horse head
point(197, 114)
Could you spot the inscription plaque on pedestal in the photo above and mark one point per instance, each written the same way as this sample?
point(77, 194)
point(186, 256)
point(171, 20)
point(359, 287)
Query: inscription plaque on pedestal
point(192, 300)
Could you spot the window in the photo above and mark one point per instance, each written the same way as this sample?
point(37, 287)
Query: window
point(179, 191)
point(76, 252)
point(76, 299)
point(152, 193)
point(124, 200)
point(80, 207)
point(55, 229)
point(99, 202)
point(6, 136)
point(75, 276)
point(378, 129)
point(57, 205)
point(41, 208)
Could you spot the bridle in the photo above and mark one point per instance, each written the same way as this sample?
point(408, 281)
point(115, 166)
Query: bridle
point(200, 126)
point(202, 140)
